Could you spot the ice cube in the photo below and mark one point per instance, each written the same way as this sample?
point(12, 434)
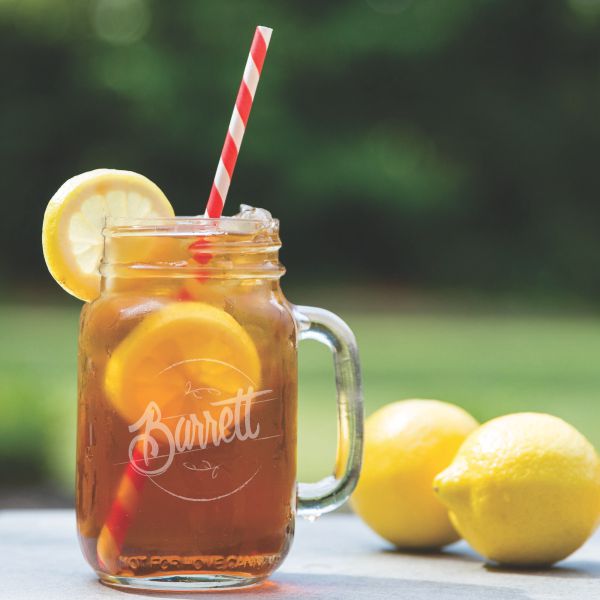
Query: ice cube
point(253, 213)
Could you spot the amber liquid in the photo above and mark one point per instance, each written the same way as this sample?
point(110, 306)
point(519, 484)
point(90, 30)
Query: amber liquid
point(224, 510)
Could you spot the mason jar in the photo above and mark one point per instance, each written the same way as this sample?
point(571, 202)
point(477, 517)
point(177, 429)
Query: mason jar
point(187, 407)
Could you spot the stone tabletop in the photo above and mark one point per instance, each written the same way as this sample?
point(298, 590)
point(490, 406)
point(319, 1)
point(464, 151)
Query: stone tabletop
point(336, 557)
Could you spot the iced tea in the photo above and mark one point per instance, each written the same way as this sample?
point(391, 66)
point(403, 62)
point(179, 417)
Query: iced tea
point(215, 430)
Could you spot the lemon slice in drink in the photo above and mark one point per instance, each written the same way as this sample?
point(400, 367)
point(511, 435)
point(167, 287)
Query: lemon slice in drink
point(187, 358)
point(73, 221)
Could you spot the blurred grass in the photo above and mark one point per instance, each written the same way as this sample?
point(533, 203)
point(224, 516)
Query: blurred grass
point(488, 364)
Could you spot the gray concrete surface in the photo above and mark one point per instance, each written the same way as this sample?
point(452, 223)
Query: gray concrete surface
point(336, 557)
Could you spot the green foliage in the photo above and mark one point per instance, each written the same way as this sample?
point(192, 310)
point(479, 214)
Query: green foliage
point(435, 143)
point(37, 394)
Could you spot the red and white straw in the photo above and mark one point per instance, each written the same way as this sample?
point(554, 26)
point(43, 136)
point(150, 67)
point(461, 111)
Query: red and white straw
point(120, 515)
point(126, 502)
point(239, 121)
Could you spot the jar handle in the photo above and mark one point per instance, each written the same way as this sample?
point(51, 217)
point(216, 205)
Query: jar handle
point(331, 492)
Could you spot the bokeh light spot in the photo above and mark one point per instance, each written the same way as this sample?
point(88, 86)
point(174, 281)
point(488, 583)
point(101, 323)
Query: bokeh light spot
point(121, 22)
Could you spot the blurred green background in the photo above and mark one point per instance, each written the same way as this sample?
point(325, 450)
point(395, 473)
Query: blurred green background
point(433, 163)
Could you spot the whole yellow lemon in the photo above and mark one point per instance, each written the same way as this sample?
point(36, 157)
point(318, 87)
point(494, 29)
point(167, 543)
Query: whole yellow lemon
point(406, 444)
point(524, 489)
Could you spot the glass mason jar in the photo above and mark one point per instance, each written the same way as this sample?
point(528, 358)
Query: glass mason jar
point(186, 443)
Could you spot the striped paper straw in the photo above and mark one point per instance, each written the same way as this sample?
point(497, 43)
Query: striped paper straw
point(239, 121)
point(124, 506)
point(121, 513)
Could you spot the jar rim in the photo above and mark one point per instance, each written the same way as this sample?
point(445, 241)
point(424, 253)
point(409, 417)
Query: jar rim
point(187, 225)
